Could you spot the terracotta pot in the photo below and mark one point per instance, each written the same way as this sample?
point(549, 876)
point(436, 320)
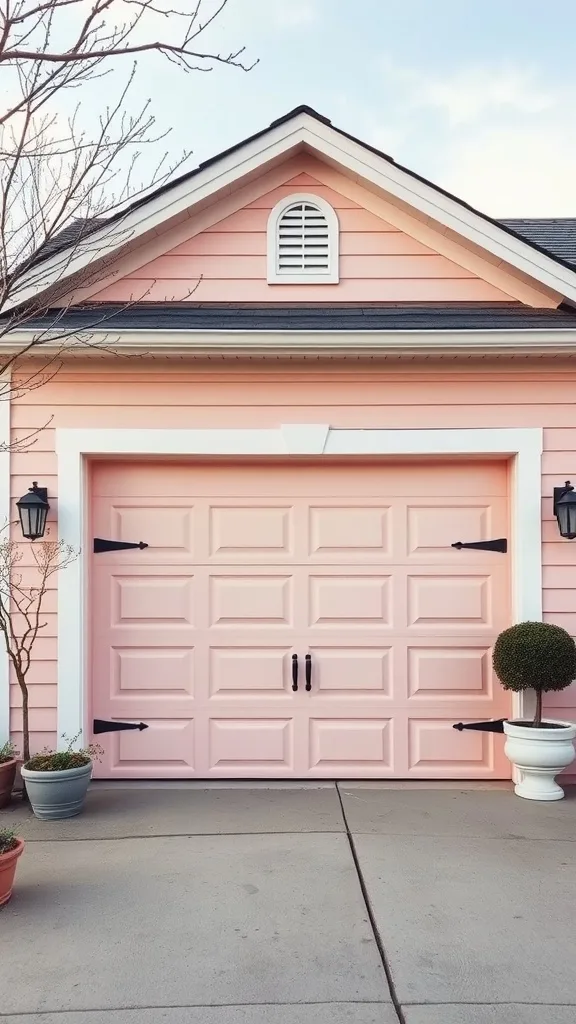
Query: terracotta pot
point(8, 863)
point(7, 775)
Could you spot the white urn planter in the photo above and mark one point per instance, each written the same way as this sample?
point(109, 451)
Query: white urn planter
point(540, 754)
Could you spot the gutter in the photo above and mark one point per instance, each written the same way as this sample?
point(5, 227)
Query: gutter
point(519, 341)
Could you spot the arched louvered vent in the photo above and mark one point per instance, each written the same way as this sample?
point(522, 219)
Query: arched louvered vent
point(303, 242)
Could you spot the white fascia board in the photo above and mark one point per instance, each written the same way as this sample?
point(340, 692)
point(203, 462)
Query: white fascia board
point(359, 161)
point(440, 208)
point(221, 175)
point(213, 342)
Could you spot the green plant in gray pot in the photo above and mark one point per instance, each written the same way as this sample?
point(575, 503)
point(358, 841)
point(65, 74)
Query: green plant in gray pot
point(57, 781)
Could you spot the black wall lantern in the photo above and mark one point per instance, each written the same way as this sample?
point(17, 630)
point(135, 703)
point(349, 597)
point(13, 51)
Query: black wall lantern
point(565, 510)
point(33, 509)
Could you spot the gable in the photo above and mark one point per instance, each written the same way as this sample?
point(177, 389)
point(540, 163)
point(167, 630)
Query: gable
point(387, 253)
point(493, 252)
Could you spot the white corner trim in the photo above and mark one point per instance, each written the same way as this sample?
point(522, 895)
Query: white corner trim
point(526, 522)
point(72, 593)
point(524, 445)
point(5, 405)
point(274, 274)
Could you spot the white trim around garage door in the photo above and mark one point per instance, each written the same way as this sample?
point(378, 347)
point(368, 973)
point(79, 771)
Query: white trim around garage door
point(522, 445)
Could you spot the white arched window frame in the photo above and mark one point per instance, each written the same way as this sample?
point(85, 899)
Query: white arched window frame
point(294, 258)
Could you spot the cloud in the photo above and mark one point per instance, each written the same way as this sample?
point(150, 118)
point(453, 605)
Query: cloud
point(467, 94)
point(267, 16)
point(498, 137)
point(294, 13)
point(516, 172)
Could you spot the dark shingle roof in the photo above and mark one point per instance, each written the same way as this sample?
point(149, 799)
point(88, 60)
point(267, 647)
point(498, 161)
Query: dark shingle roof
point(320, 318)
point(76, 231)
point(555, 234)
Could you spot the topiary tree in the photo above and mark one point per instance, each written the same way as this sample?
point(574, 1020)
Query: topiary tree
point(535, 656)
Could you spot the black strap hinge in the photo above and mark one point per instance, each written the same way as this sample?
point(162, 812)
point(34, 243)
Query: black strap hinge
point(99, 726)
point(495, 725)
point(501, 544)
point(114, 545)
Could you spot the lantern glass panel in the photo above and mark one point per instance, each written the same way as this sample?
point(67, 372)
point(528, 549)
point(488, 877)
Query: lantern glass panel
point(566, 515)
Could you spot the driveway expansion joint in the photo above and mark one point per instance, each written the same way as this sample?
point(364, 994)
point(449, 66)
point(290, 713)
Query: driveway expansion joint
point(377, 937)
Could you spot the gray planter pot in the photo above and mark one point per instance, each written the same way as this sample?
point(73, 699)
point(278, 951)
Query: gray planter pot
point(57, 794)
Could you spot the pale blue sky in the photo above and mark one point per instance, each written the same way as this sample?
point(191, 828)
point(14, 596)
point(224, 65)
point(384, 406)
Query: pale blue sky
point(479, 96)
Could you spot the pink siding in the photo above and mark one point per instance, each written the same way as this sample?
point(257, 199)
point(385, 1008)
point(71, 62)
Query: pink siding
point(387, 255)
point(133, 395)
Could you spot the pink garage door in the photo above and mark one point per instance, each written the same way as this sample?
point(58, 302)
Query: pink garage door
point(251, 565)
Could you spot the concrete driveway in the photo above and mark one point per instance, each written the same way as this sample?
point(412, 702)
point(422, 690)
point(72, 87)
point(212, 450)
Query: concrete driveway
point(320, 904)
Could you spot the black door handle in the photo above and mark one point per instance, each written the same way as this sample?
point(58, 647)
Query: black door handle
point(294, 671)
point(308, 672)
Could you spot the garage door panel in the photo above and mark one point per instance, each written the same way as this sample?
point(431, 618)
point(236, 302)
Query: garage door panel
point(437, 750)
point(460, 599)
point(171, 527)
point(142, 671)
point(349, 746)
point(350, 532)
point(164, 528)
point(148, 599)
point(249, 673)
point(433, 528)
point(166, 749)
point(450, 601)
point(251, 532)
point(133, 595)
point(352, 672)
point(450, 672)
point(251, 600)
point(352, 601)
point(251, 747)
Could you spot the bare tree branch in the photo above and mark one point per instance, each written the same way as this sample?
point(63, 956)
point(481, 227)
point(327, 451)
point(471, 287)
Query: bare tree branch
point(66, 179)
point(21, 607)
point(94, 40)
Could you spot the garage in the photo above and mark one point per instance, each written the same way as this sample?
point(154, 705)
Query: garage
point(298, 620)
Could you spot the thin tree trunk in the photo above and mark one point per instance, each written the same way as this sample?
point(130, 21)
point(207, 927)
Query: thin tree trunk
point(25, 719)
point(25, 734)
point(538, 715)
